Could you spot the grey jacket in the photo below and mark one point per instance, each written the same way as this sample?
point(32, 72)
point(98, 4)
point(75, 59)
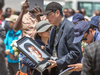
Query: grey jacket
point(91, 60)
point(3, 70)
point(2, 33)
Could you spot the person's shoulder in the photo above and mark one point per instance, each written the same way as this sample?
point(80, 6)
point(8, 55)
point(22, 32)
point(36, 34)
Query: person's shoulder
point(93, 46)
point(1, 41)
point(68, 23)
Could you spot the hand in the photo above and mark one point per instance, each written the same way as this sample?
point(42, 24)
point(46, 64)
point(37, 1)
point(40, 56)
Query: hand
point(53, 64)
point(11, 56)
point(77, 67)
point(42, 47)
point(7, 51)
point(25, 5)
point(37, 13)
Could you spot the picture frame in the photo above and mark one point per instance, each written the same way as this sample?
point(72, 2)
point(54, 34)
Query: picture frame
point(32, 50)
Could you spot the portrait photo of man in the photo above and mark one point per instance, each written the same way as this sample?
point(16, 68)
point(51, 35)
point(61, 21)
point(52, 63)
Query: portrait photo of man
point(36, 53)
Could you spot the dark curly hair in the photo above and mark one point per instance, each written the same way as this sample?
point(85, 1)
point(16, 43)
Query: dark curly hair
point(1, 4)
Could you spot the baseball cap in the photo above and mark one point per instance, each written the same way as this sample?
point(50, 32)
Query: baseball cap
point(42, 26)
point(12, 18)
point(51, 7)
point(77, 17)
point(79, 29)
point(94, 21)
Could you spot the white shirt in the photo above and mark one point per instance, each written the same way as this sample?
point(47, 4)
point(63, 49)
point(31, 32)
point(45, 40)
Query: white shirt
point(70, 18)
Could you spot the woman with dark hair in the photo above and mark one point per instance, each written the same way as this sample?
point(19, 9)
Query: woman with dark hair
point(41, 37)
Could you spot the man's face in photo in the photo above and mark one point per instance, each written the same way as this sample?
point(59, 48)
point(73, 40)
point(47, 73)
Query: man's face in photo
point(88, 37)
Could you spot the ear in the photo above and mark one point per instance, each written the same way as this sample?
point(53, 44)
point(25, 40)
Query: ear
point(57, 12)
point(91, 30)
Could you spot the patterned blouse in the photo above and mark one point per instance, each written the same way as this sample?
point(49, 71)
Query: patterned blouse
point(28, 24)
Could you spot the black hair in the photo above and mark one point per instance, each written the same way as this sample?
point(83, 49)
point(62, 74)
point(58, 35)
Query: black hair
point(26, 45)
point(72, 12)
point(7, 9)
point(61, 13)
point(37, 36)
point(65, 8)
point(17, 13)
point(1, 4)
point(91, 27)
point(81, 19)
point(4, 15)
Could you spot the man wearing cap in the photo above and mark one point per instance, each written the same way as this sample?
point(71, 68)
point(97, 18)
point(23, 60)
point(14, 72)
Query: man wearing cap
point(87, 33)
point(12, 19)
point(61, 40)
point(10, 37)
point(95, 22)
point(77, 17)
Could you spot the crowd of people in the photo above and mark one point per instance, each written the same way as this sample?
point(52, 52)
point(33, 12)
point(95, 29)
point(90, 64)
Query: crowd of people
point(70, 36)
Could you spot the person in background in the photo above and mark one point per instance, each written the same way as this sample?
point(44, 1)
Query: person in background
point(8, 12)
point(65, 12)
point(17, 13)
point(89, 34)
point(77, 17)
point(99, 24)
point(97, 13)
point(10, 37)
point(78, 11)
point(71, 12)
point(91, 65)
point(5, 24)
point(3, 69)
point(84, 14)
point(95, 22)
point(41, 37)
point(27, 20)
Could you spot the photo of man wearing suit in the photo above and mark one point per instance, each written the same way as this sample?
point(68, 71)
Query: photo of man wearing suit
point(61, 40)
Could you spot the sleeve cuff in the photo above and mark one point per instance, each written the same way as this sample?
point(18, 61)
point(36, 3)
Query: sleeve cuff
point(11, 51)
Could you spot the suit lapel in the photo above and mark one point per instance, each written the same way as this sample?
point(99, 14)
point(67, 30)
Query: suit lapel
point(52, 35)
point(60, 32)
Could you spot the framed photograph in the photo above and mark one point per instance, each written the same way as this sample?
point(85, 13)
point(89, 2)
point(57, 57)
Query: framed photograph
point(32, 50)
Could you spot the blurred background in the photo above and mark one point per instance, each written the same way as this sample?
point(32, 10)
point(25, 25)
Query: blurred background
point(89, 5)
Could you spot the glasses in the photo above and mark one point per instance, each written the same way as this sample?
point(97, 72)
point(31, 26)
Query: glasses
point(48, 29)
point(85, 38)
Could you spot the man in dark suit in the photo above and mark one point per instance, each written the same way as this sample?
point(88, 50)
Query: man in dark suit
point(61, 40)
point(91, 60)
point(3, 70)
